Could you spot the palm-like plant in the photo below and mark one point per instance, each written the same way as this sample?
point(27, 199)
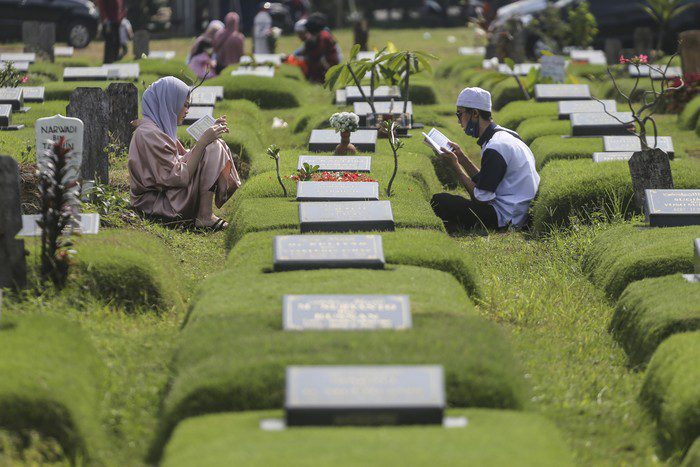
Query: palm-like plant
point(403, 64)
point(663, 11)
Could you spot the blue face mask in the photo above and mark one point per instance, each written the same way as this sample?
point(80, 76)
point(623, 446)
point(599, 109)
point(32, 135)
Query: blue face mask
point(472, 128)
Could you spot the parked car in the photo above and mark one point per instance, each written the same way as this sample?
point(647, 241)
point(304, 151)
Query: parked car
point(76, 20)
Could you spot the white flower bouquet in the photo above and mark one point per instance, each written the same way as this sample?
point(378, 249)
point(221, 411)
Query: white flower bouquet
point(345, 121)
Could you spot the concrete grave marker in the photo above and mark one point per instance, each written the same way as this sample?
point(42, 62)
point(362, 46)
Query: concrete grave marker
point(394, 108)
point(600, 123)
point(202, 99)
point(632, 144)
point(274, 59)
point(472, 51)
point(612, 156)
point(195, 113)
point(88, 224)
point(48, 130)
point(327, 140)
point(259, 71)
point(141, 45)
point(161, 55)
point(337, 191)
point(218, 91)
point(33, 93)
point(125, 71)
point(6, 118)
point(123, 109)
point(520, 69)
point(381, 93)
point(63, 51)
point(366, 54)
point(337, 163)
point(639, 72)
point(18, 57)
point(346, 216)
point(84, 73)
point(39, 38)
point(345, 312)
point(672, 208)
point(341, 97)
point(291, 252)
point(671, 72)
point(13, 97)
point(553, 67)
point(364, 395)
point(561, 92)
point(19, 66)
point(592, 57)
point(566, 108)
point(13, 267)
point(91, 106)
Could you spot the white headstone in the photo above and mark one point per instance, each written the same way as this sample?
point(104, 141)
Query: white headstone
point(553, 66)
point(50, 129)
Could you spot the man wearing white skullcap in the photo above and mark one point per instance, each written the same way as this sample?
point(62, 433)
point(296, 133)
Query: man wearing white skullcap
point(502, 188)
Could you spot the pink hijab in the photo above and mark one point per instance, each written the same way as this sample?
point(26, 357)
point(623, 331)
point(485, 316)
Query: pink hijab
point(209, 33)
point(228, 42)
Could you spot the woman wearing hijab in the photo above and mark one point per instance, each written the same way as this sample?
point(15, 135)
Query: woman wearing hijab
point(229, 43)
point(168, 181)
point(208, 34)
point(202, 62)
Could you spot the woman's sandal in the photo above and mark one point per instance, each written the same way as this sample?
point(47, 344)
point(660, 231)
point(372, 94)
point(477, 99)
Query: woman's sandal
point(217, 226)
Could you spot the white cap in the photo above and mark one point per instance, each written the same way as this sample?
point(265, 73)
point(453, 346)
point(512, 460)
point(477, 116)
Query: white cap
point(300, 26)
point(475, 98)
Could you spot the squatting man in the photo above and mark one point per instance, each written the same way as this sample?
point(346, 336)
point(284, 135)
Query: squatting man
point(501, 191)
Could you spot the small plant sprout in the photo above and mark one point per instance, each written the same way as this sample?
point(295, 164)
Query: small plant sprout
point(396, 144)
point(274, 152)
point(306, 173)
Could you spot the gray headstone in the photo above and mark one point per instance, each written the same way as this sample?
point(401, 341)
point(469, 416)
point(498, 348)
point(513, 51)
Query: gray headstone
point(561, 92)
point(19, 66)
point(600, 123)
point(84, 73)
point(123, 109)
point(218, 91)
point(632, 144)
point(364, 395)
point(29, 57)
point(91, 106)
point(33, 93)
point(337, 191)
point(161, 55)
point(346, 216)
point(649, 170)
point(195, 113)
point(592, 57)
point(345, 312)
point(611, 156)
point(520, 69)
point(5, 115)
point(13, 97)
point(327, 140)
point(566, 108)
point(553, 67)
point(13, 267)
point(337, 163)
point(39, 38)
point(141, 45)
point(696, 243)
point(292, 252)
point(63, 51)
point(124, 71)
point(259, 71)
point(673, 208)
point(657, 73)
point(381, 93)
point(613, 50)
point(202, 98)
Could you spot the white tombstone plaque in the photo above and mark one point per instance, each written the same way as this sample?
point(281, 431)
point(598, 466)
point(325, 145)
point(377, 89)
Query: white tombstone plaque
point(553, 66)
point(50, 129)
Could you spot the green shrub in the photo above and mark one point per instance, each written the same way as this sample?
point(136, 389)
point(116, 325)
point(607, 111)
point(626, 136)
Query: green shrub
point(422, 93)
point(651, 310)
point(553, 147)
point(50, 383)
point(688, 119)
point(536, 127)
point(671, 391)
point(627, 253)
point(236, 439)
point(267, 93)
point(505, 92)
point(514, 113)
point(453, 66)
point(692, 458)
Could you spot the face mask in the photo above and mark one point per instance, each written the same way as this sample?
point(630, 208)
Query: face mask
point(472, 128)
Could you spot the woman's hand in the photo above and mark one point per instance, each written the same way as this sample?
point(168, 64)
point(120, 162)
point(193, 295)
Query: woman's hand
point(214, 132)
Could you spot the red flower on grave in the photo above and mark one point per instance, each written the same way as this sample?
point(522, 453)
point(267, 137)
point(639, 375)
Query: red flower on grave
point(24, 79)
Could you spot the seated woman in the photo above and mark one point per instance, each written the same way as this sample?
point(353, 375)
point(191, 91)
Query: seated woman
point(168, 181)
point(202, 62)
point(228, 43)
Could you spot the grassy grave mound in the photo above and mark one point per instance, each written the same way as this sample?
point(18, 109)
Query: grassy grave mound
point(671, 393)
point(692, 458)
point(453, 66)
point(267, 93)
point(505, 92)
point(492, 437)
point(553, 147)
point(49, 384)
point(651, 310)
point(422, 92)
point(688, 119)
point(627, 253)
point(536, 127)
point(607, 90)
point(592, 192)
point(513, 114)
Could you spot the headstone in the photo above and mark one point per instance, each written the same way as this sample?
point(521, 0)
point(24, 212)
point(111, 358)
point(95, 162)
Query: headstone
point(84, 73)
point(50, 129)
point(643, 40)
point(613, 50)
point(553, 67)
point(39, 38)
point(292, 252)
point(63, 51)
point(632, 143)
point(566, 108)
point(327, 140)
point(125, 71)
point(345, 312)
point(91, 106)
point(29, 57)
point(592, 57)
point(696, 243)
point(689, 49)
point(123, 109)
point(381, 93)
point(561, 92)
point(13, 267)
point(394, 108)
point(520, 69)
point(600, 123)
point(202, 98)
point(661, 72)
point(611, 156)
point(366, 55)
point(341, 97)
point(141, 45)
point(33, 93)
point(259, 71)
point(639, 71)
point(218, 91)
point(13, 97)
point(19, 66)
point(195, 113)
point(161, 55)
point(337, 191)
point(673, 208)
point(337, 163)
point(274, 59)
point(649, 170)
point(472, 51)
point(88, 224)
point(5, 116)
point(364, 395)
point(346, 216)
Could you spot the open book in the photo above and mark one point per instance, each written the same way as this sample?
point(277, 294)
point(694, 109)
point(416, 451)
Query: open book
point(200, 126)
point(436, 140)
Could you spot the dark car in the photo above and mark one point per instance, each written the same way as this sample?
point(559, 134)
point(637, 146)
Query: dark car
point(76, 20)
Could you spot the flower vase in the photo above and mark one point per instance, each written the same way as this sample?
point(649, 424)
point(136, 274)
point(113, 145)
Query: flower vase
point(345, 147)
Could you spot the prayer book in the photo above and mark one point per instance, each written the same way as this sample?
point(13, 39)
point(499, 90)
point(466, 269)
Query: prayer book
point(436, 140)
point(200, 126)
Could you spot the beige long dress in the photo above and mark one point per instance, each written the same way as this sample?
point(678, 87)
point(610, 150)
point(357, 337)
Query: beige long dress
point(162, 184)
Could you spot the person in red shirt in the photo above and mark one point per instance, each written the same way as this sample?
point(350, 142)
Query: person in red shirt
point(111, 15)
point(320, 50)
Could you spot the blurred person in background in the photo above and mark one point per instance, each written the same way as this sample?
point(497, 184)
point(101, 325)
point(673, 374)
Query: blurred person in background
point(208, 35)
point(111, 16)
point(202, 63)
point(229, 43)
point(320, 49)
point(262, 28)
point(126, 33)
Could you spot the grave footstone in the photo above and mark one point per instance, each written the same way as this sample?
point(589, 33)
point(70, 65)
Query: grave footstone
point(327, 140)
point(91, 106)
point(12, 96)
point(520, 69)
point(6, 117)
point(39, 38)
point(345, 312)
point(273, 59)
point(33, 93)
point(123, 109)
point(364, 395)
point(200, 98)
point(592, 57)
point(673, 208)
point(639, 71)
point(561, 92)
point(259, 71)
point(632, 144)
point(381, 93)
point(566, 108)
point(337, 163)
point(87, 224)
point(661, 72)
point(218, 91)
point(346, 216)
point(394, 108)
point(63, 51)
point(195, 113)
point(84, 73)
point(141, 45)
point(600, 123)
point(689, 49)
point(161, 55)
point(124, 71)
point(337, 191)
point(13, 267)
point(696, 243)
point(613, 50)
point(612, 156)
point(29, 57)
point(341, 97)
point(19, 66)
point(553, 67)
point(293, 252)
point(48, 130)
point(472, 51)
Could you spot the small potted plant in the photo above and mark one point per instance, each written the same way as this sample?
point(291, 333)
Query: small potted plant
point(345, 123)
